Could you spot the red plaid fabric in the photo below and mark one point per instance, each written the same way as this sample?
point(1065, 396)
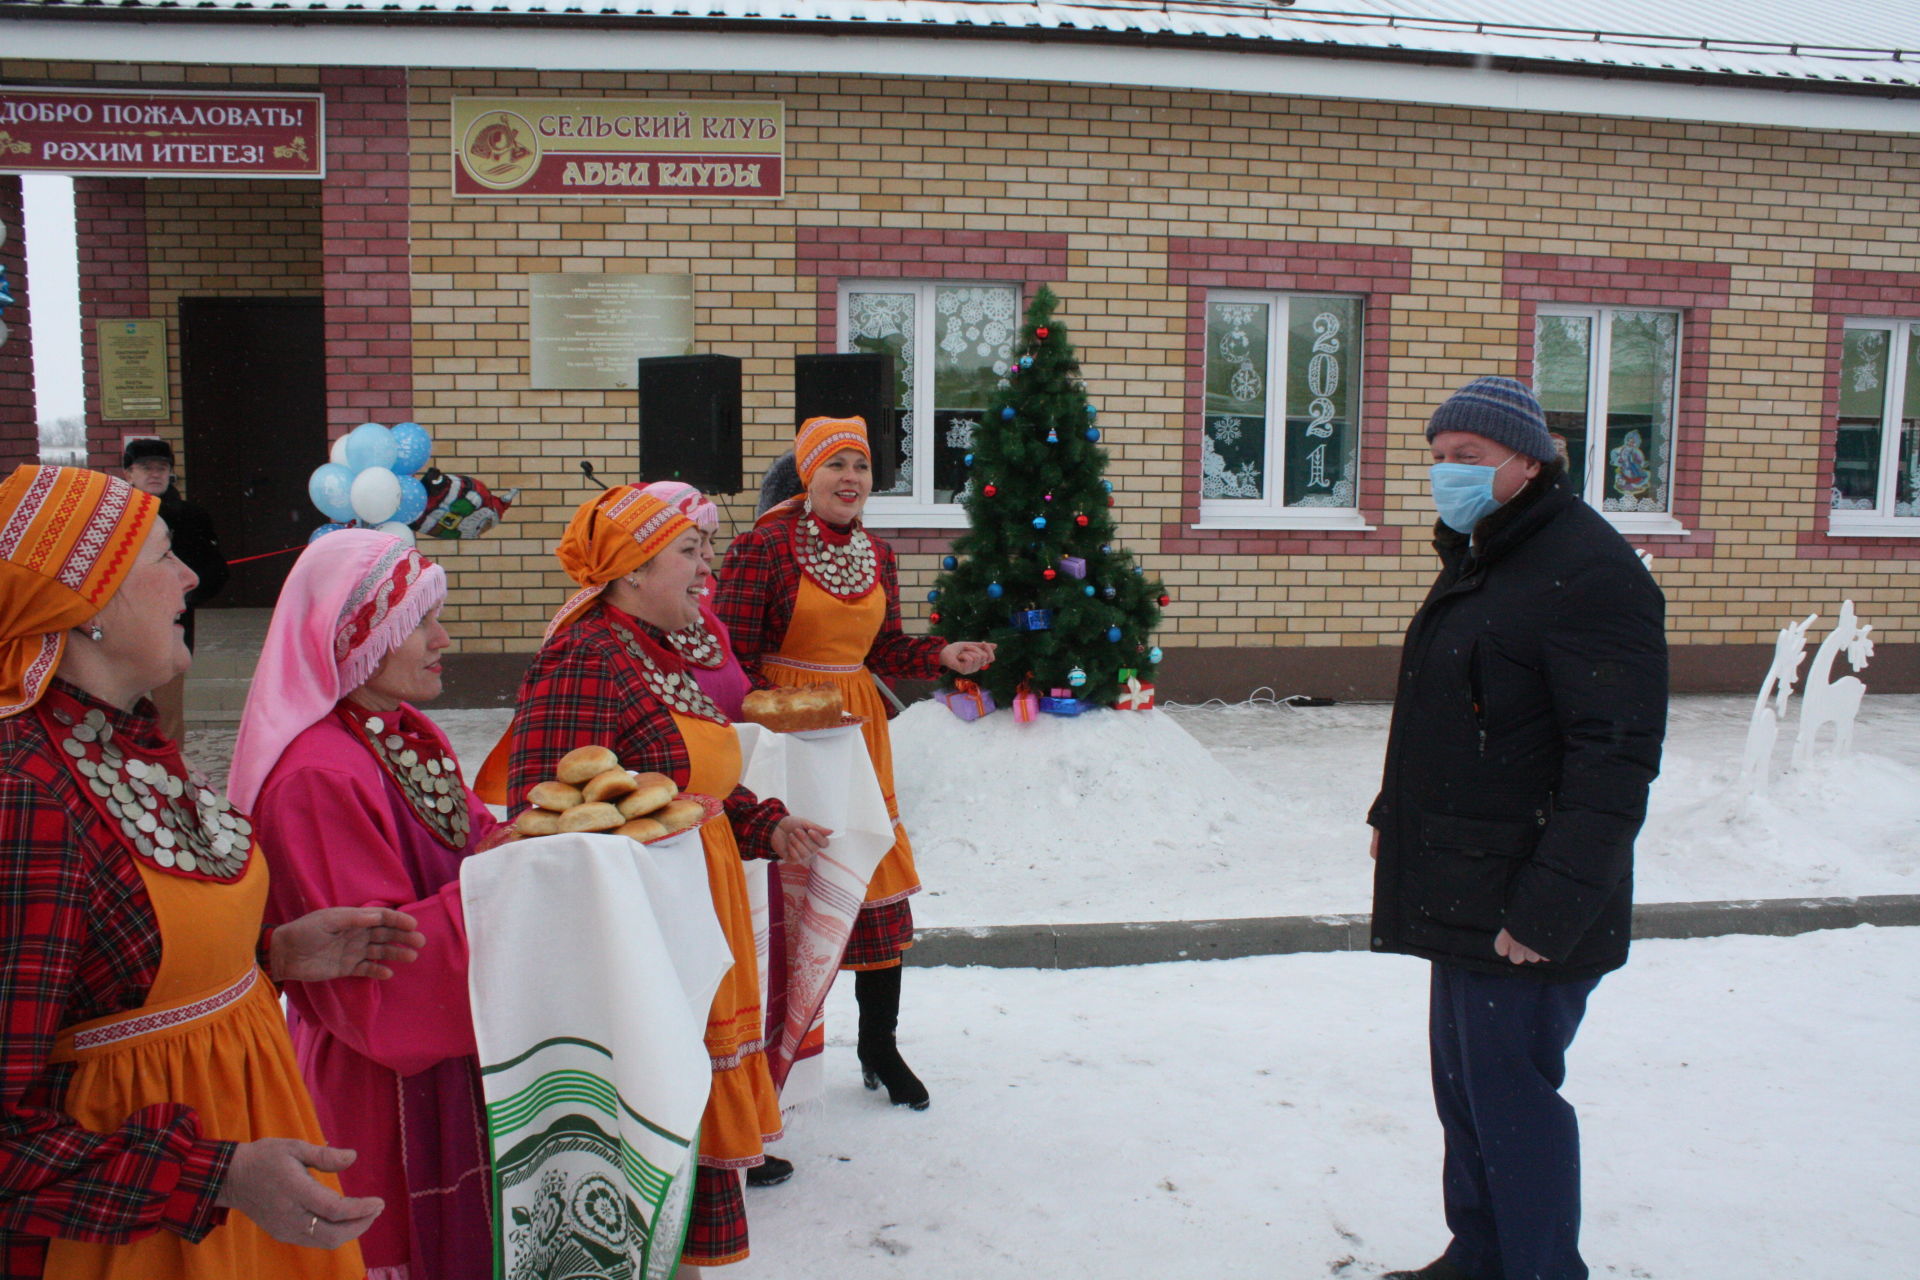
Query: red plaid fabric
point(78, 941)
point(760, 580)
point(880, 933)
point(717, 1232)
point(584, 688)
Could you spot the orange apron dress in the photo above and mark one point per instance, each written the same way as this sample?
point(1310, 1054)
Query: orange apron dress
point(743, 1112)
point(210, 1035)
point(827, 642)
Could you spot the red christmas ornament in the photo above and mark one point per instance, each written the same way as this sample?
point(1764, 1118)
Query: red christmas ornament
point(1110, 499)
point(1081, 520)
point(1165, 600)
point(1041, 332)
point(934, 617)
point(990, 490)
point(1048, 574)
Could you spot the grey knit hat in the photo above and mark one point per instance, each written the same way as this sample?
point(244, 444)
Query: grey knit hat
point(1502, 410)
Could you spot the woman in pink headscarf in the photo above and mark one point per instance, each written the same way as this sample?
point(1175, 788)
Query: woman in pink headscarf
point(358, 799)
point(705, 646)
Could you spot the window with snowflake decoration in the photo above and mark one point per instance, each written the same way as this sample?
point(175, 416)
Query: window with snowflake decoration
point(1280, 433)
point(951, 345)
point(1876, 456)
point(1606, 377)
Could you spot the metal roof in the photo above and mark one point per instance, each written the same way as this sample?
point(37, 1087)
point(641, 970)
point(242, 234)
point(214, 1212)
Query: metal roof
point(1875, 44)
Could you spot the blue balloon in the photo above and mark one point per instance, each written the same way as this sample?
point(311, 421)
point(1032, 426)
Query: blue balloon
point(331, 488)
point(370, 445)
point(413, 447)
point(324, 530)
point(413, 500)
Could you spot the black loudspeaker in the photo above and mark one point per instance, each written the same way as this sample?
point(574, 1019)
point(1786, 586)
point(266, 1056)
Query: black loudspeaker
point(690, 421)
point(852, 385)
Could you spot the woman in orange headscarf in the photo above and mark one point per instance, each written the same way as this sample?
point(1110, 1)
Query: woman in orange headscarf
point(606, 675)
point(809, 596)
point(147, 1083)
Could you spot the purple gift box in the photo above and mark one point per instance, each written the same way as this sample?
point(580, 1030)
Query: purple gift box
point(969, 704)
point(1073, 566)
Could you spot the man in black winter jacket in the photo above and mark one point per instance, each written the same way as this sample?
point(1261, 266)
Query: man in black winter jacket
point(1526, 732)
point(148, 464)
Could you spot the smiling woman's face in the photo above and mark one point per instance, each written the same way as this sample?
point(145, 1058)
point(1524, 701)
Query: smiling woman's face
point(142, 628)
point(840, 487)
point(410, 673)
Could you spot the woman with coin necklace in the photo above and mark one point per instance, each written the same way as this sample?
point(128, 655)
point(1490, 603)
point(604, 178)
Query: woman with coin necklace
point(148, 1088)
point(358, 798)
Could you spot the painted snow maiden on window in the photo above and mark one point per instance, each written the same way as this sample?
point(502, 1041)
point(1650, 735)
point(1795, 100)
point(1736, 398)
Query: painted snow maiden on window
point(809, 597)
point(149, 1086)
point(608, 676)
point(358, 799)
point(1526, 732)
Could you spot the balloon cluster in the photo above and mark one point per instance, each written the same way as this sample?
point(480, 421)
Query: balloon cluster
point(369, 481)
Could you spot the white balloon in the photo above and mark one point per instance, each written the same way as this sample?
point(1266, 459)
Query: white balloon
point(401, 531)
point(339, 452)
point(376, 495)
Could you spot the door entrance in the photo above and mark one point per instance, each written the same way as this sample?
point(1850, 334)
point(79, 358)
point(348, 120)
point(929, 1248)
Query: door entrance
point(253, 388)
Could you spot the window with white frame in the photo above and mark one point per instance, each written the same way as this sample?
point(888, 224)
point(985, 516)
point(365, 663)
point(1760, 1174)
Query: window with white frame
point(1876, 454)
point(1280, 440)
point(1608, 378)
point(951, 345)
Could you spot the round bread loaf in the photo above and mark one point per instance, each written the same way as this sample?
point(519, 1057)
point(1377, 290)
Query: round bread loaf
point(555, 797)
point(609, 786)
point(537, 822)
point(582, 763)
point(641, 829)
point(807, 706)
point(681, 814)
point(651, 790)
point(590, 817)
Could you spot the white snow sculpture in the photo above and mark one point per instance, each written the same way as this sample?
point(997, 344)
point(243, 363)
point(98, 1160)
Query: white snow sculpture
point(1826, 701)
point(1764, 729)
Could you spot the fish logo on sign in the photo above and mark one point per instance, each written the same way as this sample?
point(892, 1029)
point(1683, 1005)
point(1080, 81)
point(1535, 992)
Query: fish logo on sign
point(500, 150)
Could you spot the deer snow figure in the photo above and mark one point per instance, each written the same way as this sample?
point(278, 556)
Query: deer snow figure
point(1764, 729)
point(1826, 700)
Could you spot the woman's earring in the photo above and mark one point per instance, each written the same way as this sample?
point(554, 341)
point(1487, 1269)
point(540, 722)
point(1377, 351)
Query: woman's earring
point(94, 633)
point(807, 506)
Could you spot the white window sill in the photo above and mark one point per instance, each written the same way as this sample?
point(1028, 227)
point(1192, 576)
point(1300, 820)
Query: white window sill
point(881, 514)
point(1631, 522)
point(1311, 520)
point(1839, 526)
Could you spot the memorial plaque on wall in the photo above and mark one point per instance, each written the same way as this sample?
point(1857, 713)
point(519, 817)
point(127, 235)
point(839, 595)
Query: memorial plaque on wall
point(133, 370)
point(588, 329)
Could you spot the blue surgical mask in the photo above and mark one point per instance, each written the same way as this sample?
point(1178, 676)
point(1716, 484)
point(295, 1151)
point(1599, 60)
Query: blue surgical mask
point(1463, 492)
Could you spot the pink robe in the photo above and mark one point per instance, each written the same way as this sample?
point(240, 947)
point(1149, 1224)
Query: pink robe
point(338, 832)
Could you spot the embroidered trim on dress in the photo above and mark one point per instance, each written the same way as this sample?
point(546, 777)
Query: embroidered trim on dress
point(167, 812)
point(827, 668)
point(845, 570)
point(427, 775)
point(676, 689)
point(145, 1023)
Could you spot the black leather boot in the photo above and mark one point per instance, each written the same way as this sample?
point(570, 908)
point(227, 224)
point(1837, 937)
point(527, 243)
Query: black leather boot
point(878, 994)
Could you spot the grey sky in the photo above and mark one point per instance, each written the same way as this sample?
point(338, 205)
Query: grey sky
point(53, 277)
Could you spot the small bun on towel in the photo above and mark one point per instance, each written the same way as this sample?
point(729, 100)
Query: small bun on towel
point(590, 817)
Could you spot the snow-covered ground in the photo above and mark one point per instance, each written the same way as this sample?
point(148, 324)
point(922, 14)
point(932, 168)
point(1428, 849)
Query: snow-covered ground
point(1748, 1108)
point(1221, 812)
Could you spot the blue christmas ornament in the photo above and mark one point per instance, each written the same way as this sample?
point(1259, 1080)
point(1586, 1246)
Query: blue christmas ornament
point(1039, 522)
point(1113, 635)
point(1092, 413)
point(1093, 433)
point(1088, 589)
point(933, 595)
point(1107, 485)
point(968, 459)
point(1076, 677)
point(951, 562)
point(1105, 549)
point(1108, 592)
point(1138, 569)
point(1153, 655)
point(994, 590)
point(1026, 362)
point(1007, 413)
point(1053, 437)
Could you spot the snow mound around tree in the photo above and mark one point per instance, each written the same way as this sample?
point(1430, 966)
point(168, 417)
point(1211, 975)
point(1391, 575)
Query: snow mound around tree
point(1016, 823)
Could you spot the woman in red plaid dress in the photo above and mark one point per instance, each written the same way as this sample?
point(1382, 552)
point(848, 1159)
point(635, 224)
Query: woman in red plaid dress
point(810, 597)
point(607, 675)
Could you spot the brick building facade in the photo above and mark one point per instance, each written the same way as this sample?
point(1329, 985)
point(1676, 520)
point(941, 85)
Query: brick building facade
point(1452, 233)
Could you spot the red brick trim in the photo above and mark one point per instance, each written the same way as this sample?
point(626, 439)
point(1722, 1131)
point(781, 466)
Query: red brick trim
point(1694, 289)
point(110, 224)
point(833, 254)
point(366, 261)
point(1841, 294)
point(19, 429)
point(1376, 272)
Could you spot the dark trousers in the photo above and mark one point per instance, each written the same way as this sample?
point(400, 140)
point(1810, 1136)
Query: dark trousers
point(1512, 1174)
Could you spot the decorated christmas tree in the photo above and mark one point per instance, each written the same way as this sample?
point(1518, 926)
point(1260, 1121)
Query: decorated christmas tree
point(1039, 571)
